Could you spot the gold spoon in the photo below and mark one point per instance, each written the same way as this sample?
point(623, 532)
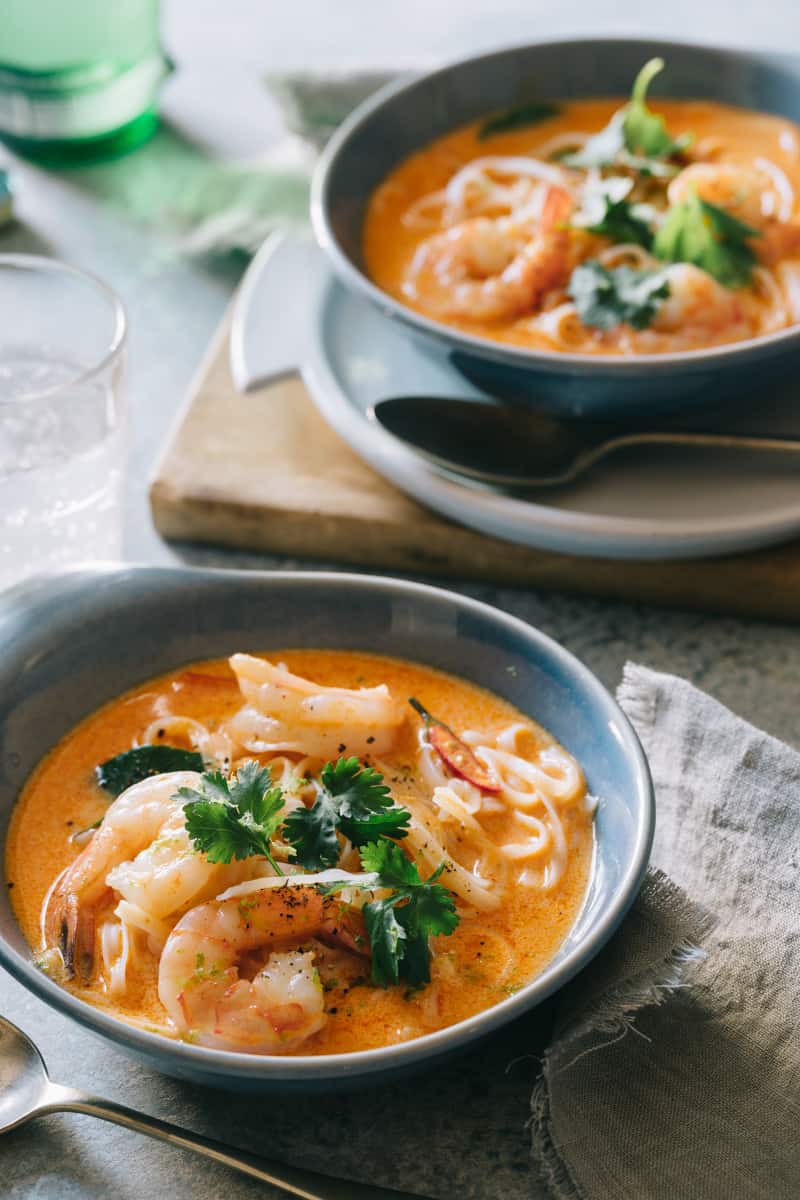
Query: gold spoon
point(26, 1091)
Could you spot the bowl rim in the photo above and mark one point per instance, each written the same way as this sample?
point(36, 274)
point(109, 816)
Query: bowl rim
point(116, 343)
point(485, 348)
point(311, 1068)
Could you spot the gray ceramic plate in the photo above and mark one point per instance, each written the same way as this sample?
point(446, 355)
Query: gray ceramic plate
point(404, 116)
point(68, 643)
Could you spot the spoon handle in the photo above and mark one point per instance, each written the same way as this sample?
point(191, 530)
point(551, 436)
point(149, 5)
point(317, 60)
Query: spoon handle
point(712, 441)
point(295, 1181)
point(729, 441)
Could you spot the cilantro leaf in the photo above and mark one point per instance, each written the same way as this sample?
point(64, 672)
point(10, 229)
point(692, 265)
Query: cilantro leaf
point(434, 908)
point(351, 800)
point(132, 766)
point(518, 117)
point(364, 802)
point(386, 938)
point(312, 833)
point(645, 132)
point(700, 233)
point(388, 861)
point(216, 830)
point(236, 817)
point(399, 925)
point(605, 298)
point(606, 211)
point(620, 223)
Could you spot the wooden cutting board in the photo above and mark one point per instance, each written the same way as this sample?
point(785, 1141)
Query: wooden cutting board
point(263, 471)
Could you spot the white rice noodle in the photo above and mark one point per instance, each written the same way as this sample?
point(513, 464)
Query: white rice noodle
point(214, 745)
point(484, 174)
point(334, 875)
point(554, 780)
point(569, 140)
point(562, 324)
point(557, 862)
point(788, 141)
point(538, 839)
point(426, 213)
point(788, 277)
point(115, 949)
point(784, 192)
point(476, 886)
point(627, 254)
point(450, 805)
point(156, 929)
point(769, 291)
point(524, 784)
point(430, 764)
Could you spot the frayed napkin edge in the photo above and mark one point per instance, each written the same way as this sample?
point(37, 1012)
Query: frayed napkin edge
point(613, 1016)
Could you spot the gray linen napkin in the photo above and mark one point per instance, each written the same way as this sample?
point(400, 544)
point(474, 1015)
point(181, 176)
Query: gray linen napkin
point(697, 1097)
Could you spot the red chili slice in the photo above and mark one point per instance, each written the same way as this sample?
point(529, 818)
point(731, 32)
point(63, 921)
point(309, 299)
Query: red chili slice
point(455, 753)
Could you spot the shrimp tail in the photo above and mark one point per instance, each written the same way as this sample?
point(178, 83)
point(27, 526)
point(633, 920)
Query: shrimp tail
point(69, 928)
point(556, 209)
point(345, 930)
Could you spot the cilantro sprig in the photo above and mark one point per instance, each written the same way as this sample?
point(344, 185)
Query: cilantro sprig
point(711, 238)
point(607, 211)
point(644, 131)
point(236, 817)
point(351, 800)
point(635, 137)
point(605, 298)
point(400, 924)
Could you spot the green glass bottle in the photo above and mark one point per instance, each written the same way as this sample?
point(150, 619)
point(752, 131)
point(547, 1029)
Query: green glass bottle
point(79, 78)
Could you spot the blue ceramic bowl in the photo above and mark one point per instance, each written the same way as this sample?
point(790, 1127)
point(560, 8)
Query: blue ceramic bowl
point(405, 116)
point(70, 642)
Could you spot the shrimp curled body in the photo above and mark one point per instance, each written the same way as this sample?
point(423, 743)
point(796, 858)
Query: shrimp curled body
point(759, 194)
point(698, 302)
point(142, 851)
point(199, 980)
point(489, 270)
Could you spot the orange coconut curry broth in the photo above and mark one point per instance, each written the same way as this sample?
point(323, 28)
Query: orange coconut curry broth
point(134, 917)
point(542, 237)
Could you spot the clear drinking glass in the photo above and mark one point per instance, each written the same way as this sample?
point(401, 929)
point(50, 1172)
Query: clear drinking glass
point(62, 417)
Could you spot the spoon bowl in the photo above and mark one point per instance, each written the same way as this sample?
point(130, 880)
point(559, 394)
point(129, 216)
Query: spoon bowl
point(23, 1077)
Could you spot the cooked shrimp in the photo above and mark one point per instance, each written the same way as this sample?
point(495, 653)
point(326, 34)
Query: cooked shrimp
point(747, 192)
point(487, 270)
point(142, 851)
point(697, 302)
point(199, 980)
point(758, 194)
point(287, 713)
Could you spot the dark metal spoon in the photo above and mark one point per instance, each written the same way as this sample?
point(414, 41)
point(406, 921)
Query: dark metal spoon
point(26, 1091)
point(516, 447)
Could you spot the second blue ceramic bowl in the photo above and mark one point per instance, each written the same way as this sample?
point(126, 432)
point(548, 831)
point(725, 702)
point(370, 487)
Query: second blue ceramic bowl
point(407, 115)
point(70, 642)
